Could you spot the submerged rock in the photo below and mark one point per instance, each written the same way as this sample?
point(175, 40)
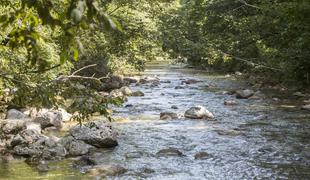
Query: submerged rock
point(165, 81)
point(169, 152)
point(95, 133)
point(137, 93)
point(244, 94)
point(179, 87)
point(230, 103)
point(168, 115)
point(225, 132)
point(202, 155)
point(198, 112)
point(174, 107)
point(107, 170)
point(43, 167)
point(132, 155)
point(190, 81)
point(15, 114)
point(85, 161)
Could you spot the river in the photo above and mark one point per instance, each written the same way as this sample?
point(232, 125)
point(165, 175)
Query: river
point(256, 139)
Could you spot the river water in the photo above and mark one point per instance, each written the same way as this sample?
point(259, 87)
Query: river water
point(256, 139)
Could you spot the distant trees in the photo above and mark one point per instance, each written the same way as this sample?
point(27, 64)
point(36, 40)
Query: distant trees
point(259, 36)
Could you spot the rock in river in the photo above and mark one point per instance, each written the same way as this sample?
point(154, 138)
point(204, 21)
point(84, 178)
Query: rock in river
point(137, 93)
point(244, 94)
point(126, 91)
point(190, 81)
point(50, 118)
point(31, 144)
point(198, 112)
point(306, 107)
point(230, 103)
point(169, 152)
point(95, 133)
point(106, 170)
point(168, 115)
point(202, 155)
point(76, 147)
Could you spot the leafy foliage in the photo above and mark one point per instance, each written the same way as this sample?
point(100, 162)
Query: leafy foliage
point(258, 36)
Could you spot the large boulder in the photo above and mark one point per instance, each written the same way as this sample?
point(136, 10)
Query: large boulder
point(113, 82)
point(244, 94)
point(31, 144)
point(116, 93)
point(198, 112)
point(15, 114)
point(95, 133)
point(50, 118)
point(12, 126)
point(126, 91)
point(76, 147)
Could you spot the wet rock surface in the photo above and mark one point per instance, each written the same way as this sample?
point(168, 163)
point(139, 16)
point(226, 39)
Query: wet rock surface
point(15, 114)
point(31, 144)
point(244, 94)
point(168, 115)
point(169, 152)
point(96, 133)
point(198, 112)
point(106, 170)
point(202, 155)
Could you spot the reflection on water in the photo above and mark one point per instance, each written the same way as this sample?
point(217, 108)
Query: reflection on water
point(253, 140)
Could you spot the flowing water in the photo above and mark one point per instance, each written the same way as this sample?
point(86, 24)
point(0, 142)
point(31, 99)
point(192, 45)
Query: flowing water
point(256, 139)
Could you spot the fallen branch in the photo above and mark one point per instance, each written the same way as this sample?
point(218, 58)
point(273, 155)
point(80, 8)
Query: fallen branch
point(83, 68)
point(250, 62)
point(74, 76)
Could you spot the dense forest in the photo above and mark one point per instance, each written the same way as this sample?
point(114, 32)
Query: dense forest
point(73, 54)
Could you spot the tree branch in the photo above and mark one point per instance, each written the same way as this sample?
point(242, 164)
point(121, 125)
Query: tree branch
point(83, 68)
point(250, 62)
point(250, 5)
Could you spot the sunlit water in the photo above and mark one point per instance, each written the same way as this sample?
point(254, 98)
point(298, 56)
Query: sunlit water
point(257, 139)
